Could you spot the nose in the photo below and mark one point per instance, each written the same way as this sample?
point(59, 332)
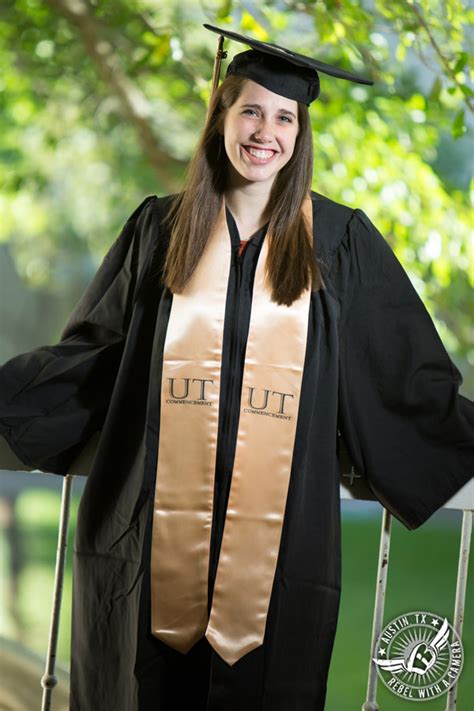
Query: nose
point(263, 133)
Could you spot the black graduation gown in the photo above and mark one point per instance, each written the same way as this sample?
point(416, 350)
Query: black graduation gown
point(375, 369)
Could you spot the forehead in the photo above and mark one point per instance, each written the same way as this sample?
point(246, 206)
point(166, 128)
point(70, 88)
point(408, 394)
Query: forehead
point(253, 93)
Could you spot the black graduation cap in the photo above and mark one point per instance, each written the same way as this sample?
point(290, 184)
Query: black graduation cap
point(278, 69)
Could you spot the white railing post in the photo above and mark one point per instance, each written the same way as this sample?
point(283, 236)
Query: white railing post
point(461, 584)
point(49, 680)
point(370, 703)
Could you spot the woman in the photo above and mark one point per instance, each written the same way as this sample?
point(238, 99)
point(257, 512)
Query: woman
point(228, 335)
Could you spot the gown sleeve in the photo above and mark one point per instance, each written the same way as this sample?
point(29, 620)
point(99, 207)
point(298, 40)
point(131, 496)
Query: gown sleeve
point(405, 425)
point(53, 398)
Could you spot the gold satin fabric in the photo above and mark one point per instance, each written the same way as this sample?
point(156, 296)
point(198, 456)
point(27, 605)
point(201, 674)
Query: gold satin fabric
point(189, 417)
point(184, 490)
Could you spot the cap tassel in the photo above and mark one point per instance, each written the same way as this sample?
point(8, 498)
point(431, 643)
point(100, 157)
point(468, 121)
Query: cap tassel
point(220, 55)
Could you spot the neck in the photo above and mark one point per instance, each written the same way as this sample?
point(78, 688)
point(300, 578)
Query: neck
point(248, 201)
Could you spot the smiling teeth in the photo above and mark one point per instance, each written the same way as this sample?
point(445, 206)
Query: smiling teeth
point(260, 154)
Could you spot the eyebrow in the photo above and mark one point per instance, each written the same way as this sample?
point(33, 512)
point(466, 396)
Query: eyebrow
point(257, 106)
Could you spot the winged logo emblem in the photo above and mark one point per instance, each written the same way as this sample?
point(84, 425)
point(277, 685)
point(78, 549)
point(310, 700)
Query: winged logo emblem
point(422, 656)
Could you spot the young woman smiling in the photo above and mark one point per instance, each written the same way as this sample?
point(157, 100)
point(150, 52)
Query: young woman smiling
point(232, 335)
point(245, 114)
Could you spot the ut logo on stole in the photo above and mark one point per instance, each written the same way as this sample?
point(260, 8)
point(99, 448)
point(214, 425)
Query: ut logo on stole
point(257, 401)
point(262, 401)
point(188, 391)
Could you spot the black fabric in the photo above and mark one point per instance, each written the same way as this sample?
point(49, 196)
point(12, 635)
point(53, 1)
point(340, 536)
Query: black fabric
point(375, 368)
point(407, 427)
point(277, 75)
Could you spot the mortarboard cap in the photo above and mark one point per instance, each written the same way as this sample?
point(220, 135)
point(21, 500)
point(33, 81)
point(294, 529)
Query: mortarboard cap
point(278, 69)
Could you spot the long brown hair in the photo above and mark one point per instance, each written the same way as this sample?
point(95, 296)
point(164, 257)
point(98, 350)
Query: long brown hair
point(291, 266)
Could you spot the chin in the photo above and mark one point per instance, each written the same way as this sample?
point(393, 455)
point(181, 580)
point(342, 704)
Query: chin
point(254, 176)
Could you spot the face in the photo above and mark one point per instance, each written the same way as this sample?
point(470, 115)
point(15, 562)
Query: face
point(260, 131)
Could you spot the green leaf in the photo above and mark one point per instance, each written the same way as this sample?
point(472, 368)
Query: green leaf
point(461, 63)
point(400, 52)
point(250, 24)
point(435, 89)
point(224, 10)
point(466, 90)
point(458, 128)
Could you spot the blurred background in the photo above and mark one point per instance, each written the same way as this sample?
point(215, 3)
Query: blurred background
point(101, 104)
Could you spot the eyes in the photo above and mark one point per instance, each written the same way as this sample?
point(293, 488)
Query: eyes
point(286, 119)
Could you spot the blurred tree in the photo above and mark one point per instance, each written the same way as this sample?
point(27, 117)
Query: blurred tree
point(107, 99)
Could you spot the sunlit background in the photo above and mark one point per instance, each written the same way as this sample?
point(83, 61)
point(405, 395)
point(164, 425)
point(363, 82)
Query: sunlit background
point(102, 108)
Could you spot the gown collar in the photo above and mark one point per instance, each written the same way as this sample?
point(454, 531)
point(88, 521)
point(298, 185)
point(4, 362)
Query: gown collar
point(256, 239)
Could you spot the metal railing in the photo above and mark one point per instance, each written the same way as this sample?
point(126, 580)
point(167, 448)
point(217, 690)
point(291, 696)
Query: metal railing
point(353, 486)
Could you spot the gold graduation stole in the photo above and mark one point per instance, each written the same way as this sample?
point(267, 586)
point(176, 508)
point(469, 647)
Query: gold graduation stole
point(184, 491)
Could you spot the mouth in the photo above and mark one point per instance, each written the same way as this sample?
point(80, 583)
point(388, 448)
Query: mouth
point(259, 156)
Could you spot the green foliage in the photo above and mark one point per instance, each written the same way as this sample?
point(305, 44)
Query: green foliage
point(98, 111)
